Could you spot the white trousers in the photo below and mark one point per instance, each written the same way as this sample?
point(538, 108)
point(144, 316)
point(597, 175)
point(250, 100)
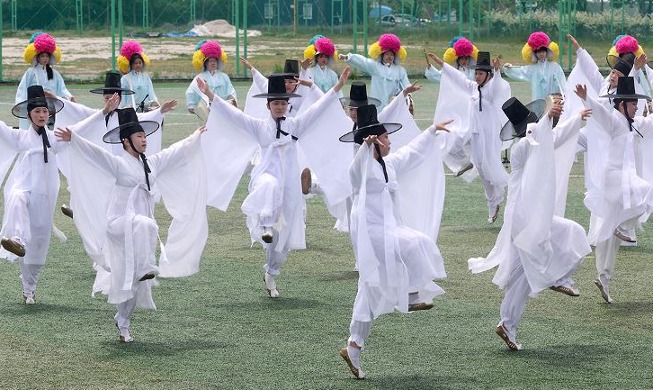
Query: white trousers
point(359, 331)
point(124, 314)
point(516, 294)
point(274, 260)
point(606, 251)
point(29, 275)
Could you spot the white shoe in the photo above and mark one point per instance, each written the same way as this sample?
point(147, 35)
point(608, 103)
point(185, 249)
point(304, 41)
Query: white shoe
point(29, 300)
point(125, 335)
point(271, 285)
point(602, 283)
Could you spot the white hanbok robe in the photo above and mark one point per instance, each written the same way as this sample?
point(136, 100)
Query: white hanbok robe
point(623, 193)
point(279, 166)
point(30, 193)
point(395, 254)
point(433, 74)
point(483, 128)
point(127, 234)
point(546, 77)
point(218, 82)
point(547, 246)
point(387, 80)
point(141, 84)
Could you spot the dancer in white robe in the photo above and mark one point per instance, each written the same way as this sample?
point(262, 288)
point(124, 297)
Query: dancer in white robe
point(389, 77)
point(397, 262)
point(128, 233)
point(274, 206)
point(624, 197)
point(31, 190)
point(484, 121)
point(536, 248)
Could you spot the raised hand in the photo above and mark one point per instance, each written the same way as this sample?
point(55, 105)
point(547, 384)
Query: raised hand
point(581, 91)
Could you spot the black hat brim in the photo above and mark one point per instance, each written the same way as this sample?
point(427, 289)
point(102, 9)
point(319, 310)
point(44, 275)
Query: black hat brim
point(348, 102)
point(634, 96)
point(538, 108)
point(111, 91)
point(20, 110)
point(279, 96)
point(389, 128)
point(113, 135)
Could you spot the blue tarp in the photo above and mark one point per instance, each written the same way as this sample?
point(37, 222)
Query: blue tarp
point(377, 12)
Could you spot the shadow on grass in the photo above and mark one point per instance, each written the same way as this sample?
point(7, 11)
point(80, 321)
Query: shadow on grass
point(265, 304)
point(631, 308)
point(19, 309)
point(434, 381)
point(118, 350)
point(563, 355)
point(343, 275)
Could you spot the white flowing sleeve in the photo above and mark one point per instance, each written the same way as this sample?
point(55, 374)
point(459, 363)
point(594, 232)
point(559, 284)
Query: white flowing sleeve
point(318, 129)
point(420, 174)
point(565, 138)
point(588, 67)
point(181, 178)
point(227, 150)
point(91, 181)
point(9, 145)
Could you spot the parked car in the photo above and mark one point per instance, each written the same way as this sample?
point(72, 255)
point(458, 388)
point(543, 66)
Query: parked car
point(406, 20)
point(387, 20)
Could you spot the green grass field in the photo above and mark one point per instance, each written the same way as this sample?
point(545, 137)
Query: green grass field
point(218, 330)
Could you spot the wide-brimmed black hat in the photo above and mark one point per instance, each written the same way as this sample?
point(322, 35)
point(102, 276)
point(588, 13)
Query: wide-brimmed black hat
point(291, 69)
point(520, 115)
point(36, 98)
point(358, 96)
point(112, 85)
point(626, 90)
point(483, 61)
point(276, 88)
point(623, 64)
point(368, 124)
point(128, 125)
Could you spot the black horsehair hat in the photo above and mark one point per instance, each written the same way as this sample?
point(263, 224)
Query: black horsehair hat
point(112, 85)
point(626, 90)
point(36, 98)
point(520, 115)
point(128, 125)
point(623, 64)
point(290, 69)
point(358, 96)
point(276, 89)
point(368, 125)
point(483, 61)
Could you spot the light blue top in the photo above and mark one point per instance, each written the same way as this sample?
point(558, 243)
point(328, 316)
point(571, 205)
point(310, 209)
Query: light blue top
point(546, 77)
point(37, 75)
point(387, 80)
point(141, 84)
point(218, 82)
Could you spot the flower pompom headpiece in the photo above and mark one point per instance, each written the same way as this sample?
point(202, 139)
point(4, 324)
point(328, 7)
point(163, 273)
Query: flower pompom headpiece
point(208, 49)
point(127, 51)
point(388, 42)
point(42, 43)
point(624, 44)
point(536, 41)
point(460, 47)
point(321, 45)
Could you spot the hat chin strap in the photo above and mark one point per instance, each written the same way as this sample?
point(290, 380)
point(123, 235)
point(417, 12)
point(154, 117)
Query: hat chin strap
point(380, 160)
point(146, 167)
